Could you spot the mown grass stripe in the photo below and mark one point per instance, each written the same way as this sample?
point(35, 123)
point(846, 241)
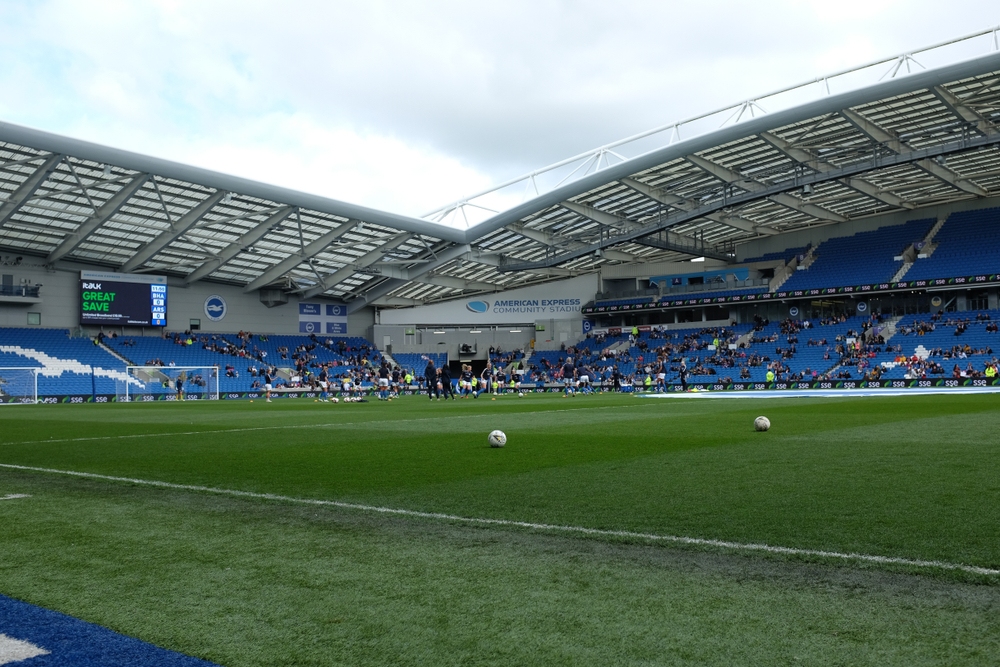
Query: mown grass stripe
point(694, 541)
point(302, 426)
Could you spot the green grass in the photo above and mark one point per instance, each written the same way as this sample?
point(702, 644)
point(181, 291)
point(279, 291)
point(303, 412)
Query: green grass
point(909, 477)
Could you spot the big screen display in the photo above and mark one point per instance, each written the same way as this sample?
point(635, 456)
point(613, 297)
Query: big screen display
point(123, 299)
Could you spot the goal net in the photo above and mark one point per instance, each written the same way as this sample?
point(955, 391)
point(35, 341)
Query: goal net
point(168, 383)
point(18, 385)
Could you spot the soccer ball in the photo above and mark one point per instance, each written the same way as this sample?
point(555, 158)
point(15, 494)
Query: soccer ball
point(335, 400)
point(497, 439)
point(762, 423)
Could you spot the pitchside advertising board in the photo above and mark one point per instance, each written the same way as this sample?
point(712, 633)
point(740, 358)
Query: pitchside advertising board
point(123, 299)
point(929, 383)
point(322, 318)
point(850, 290)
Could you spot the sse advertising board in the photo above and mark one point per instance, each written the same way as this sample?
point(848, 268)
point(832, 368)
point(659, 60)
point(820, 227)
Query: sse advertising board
point(123, 299)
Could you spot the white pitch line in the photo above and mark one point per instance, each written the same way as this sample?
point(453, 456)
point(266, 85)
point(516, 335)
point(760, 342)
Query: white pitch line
point(735, 546)
point(13, 496)
point(294, 426)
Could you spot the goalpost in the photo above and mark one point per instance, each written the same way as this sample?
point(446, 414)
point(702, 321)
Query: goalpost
point(18, 385)
point(159, 383)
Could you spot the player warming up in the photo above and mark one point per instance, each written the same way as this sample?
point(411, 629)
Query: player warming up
point(465, 381)
point(569, 377)
point(430, 376)
point(383, 381)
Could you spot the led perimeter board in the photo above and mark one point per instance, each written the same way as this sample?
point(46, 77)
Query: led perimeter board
point(123, 299)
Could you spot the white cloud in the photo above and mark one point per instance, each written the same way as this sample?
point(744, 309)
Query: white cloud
point(407, 106)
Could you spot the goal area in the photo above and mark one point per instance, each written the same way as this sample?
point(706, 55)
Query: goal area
point(18, 385)
point(168, 383)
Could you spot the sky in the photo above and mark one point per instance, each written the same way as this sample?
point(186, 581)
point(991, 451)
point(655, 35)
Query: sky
point(406, 106)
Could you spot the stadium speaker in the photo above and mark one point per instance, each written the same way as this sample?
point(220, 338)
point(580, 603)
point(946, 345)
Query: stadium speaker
point(273, 297)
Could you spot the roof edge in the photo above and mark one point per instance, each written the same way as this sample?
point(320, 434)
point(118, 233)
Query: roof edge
point(906, 84)
point(86, 150)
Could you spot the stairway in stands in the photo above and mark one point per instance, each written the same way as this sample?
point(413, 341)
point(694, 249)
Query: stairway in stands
point(911, 254)
point(789, 270)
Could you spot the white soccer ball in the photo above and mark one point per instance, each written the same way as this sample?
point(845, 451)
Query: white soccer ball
point(497, 439)
point(335, 400)
point(762, 423)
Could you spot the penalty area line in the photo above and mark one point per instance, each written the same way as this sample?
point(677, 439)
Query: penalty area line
point(577, 530)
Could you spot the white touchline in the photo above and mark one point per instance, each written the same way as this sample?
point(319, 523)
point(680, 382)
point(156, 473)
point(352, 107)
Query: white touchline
point(13, 496)
point(294, 426)
point(735, 546)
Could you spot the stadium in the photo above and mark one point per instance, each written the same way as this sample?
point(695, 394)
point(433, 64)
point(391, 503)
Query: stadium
point(182, 477)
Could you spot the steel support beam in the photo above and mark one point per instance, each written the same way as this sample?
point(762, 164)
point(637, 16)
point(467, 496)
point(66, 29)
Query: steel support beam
point(872, 130)
point(400, 301)
point(494, 260)
point(597, 215)
point(812, 179)
point(548, 240)
point(363, 262)
point(450, 281)
point(668, 240)
point(189, 220)
point(103, 214)
point(383, 288)
point(601, 218)
point(951, 178)
point(963, 111)
point(727, 175)
point(236, 247)
point(682, 204)
point(814, 163)
point(933, 168)
point(293, 260)
point(25, 190)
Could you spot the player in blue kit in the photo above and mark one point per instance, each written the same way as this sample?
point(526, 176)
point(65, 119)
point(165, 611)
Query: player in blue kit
point(323, 383)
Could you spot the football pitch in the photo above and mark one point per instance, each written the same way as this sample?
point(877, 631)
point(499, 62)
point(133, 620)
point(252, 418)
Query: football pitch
point(609, 530)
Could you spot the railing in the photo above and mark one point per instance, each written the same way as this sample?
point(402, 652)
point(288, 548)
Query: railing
point(718, 286)
point(20, 290)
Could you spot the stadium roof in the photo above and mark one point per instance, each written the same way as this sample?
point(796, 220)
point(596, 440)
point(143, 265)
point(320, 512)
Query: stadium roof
point(904, 143)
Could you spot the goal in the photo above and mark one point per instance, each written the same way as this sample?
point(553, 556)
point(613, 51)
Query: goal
point(18, 385)
point(159, 383)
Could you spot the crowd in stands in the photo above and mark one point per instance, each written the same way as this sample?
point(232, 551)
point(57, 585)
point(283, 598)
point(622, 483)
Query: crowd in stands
point(847, 346)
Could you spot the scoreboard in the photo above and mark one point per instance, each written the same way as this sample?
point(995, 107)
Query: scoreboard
point(123, 299)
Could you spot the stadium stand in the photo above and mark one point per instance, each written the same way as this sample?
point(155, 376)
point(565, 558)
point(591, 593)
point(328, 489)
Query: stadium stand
point(417, 361)
point(863, 258)
point(967, 244)
point(85, 366)
point(937, 345)
point(784, 255)
point(69, 365)
point(794, 350)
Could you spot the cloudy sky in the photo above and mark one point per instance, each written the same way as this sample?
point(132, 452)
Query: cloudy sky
point(409, 105)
